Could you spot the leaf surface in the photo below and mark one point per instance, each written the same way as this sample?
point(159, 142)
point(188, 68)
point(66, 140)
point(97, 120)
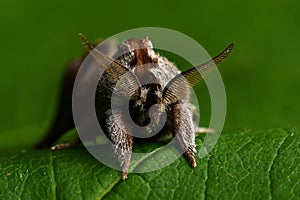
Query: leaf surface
point(256, 164)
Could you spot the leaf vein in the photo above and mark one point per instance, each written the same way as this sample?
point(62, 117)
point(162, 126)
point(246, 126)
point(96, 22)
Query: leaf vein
point(115, 183)
point(206, 177)
point(272, 164)
point(52, 176)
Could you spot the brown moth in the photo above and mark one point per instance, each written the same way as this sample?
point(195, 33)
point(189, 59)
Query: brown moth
point(167, 88)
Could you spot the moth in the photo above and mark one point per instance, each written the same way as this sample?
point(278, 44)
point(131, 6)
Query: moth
point(166, 90)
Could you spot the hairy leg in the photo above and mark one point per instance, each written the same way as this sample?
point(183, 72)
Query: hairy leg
point(73, 143)
point(122, 141)
point(199, 130)
point(184, 131)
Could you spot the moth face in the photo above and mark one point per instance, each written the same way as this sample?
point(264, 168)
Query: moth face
point(145, 105)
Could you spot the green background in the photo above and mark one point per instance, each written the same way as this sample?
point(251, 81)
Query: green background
point(261, 77)
point(38, 38)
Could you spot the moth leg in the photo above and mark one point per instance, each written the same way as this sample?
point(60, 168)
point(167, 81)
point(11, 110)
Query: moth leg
point(73, 143)
point(184, 131)
point(199, 130)
point(127, 158)
point(122, 141)
point(195, 114)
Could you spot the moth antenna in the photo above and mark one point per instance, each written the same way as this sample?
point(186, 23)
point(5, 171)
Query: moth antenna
point(116, 70)
point(222, 56)
point(85, 42)
point(101, 58)
point(177, 87)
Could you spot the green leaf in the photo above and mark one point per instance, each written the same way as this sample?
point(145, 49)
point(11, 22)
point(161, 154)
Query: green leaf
point(244, 164)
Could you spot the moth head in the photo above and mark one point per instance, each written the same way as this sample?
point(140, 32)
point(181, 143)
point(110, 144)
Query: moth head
point(148, 104)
